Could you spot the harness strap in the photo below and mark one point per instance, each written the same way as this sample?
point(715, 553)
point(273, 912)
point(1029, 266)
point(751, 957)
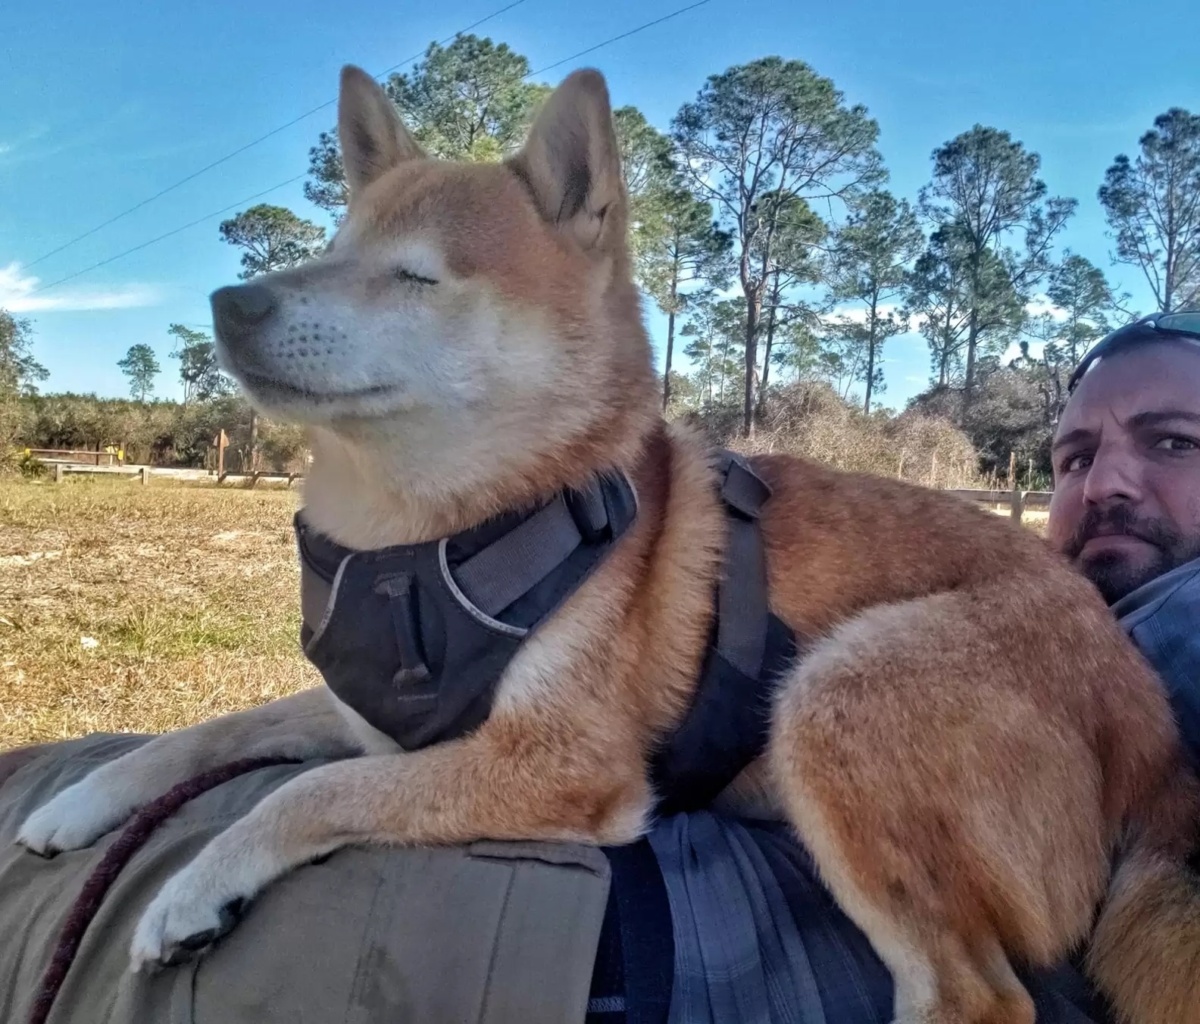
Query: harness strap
point(742, 606)
point(505, 570)
point(513, 565)
point(727, 725)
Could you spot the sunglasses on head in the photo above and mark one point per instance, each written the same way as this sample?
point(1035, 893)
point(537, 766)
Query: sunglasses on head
point(1155, 327)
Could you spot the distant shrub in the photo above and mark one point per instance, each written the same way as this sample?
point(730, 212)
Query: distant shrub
point(811, 420)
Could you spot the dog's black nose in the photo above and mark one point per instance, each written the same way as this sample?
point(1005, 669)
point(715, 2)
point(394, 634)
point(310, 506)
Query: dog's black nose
point(242, 307)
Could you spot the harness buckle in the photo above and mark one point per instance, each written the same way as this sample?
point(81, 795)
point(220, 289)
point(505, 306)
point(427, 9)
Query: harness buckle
point(742, 489)
point(409, 677)
point(589, 512)
point(398, 589)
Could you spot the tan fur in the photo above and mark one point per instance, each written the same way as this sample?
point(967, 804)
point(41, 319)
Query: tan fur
point(966, 745)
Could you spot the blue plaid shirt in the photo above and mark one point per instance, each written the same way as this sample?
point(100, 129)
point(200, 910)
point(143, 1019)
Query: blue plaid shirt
point(1163, 619)
point(743, 930)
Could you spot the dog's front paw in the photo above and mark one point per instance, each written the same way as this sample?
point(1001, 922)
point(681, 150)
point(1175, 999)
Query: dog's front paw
point(188, 914)
point(204, 900)
point(74, 818)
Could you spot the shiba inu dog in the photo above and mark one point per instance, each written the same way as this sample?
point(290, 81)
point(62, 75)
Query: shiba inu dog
point(966, 745)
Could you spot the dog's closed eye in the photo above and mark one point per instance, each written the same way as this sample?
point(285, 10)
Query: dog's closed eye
point(407, 275)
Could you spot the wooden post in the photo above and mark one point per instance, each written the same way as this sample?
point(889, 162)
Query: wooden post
point(253, 441)
point(58, 472)
point(144, 473)
point(222, 442)
point(1016, 508)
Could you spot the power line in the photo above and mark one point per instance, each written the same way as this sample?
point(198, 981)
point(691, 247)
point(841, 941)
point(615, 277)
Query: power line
point(617, 39)
point(607, 42)
point(163, 237)
point(250, 145)
point(258, 195)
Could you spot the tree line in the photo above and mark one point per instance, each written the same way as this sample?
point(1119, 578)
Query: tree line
point(763, 230)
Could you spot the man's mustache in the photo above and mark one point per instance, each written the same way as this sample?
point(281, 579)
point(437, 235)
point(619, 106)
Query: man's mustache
point(1117, 521)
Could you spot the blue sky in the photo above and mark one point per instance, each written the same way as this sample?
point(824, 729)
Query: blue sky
point(106, 104)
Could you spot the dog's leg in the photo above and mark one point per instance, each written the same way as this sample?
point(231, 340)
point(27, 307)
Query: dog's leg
point(476, 788)
point(937, 978)
point(955, 817)
point(303, 725)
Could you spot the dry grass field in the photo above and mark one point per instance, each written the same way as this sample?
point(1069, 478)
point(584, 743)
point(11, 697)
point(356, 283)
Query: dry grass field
point(130, 608)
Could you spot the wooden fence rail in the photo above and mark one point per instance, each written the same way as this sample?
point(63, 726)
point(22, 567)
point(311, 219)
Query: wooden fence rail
point(72, 456)
point(1018, 501)
point(61, 469)
point(251, 478)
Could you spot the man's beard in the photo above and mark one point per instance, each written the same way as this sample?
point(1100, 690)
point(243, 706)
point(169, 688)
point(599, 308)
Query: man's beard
point(1117, 573)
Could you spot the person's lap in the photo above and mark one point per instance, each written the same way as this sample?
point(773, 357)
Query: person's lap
point(491, 932)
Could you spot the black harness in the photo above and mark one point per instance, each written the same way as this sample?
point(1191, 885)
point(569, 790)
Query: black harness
point(415, 638)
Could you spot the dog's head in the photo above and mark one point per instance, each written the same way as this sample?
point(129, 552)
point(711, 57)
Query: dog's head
point(469, 323)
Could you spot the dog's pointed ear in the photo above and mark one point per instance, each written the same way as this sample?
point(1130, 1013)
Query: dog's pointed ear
point(571, 163)
point(372, 135)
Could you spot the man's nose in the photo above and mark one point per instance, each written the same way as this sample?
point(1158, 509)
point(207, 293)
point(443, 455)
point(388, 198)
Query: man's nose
point(1115, 475)
point(239, 309)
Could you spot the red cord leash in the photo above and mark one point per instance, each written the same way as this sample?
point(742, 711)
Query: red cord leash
point(131, 839)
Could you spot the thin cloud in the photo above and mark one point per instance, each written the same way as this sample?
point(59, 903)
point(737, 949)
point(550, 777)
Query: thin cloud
point(18, 294)
point(16, 149)
point(45, 141)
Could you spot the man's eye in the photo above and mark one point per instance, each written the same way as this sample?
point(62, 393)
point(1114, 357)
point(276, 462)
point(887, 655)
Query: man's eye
point(1074, 463)
point(408, 275)
point(1177, 444)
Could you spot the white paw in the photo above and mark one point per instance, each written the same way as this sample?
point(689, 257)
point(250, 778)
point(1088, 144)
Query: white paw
point(73, 819)
point(188, 914)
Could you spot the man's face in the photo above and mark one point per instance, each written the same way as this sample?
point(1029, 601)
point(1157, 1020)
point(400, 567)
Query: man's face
point(1126, 505)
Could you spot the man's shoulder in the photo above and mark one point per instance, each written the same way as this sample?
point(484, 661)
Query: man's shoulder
point(1163, 620)
point(1172, 599)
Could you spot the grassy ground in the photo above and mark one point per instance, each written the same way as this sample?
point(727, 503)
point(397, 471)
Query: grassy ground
point(125, 607)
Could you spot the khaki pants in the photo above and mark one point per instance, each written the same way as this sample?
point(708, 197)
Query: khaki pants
point(494, 933)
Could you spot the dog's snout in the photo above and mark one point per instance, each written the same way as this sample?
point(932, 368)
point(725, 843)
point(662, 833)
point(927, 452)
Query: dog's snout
point(240, 308)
